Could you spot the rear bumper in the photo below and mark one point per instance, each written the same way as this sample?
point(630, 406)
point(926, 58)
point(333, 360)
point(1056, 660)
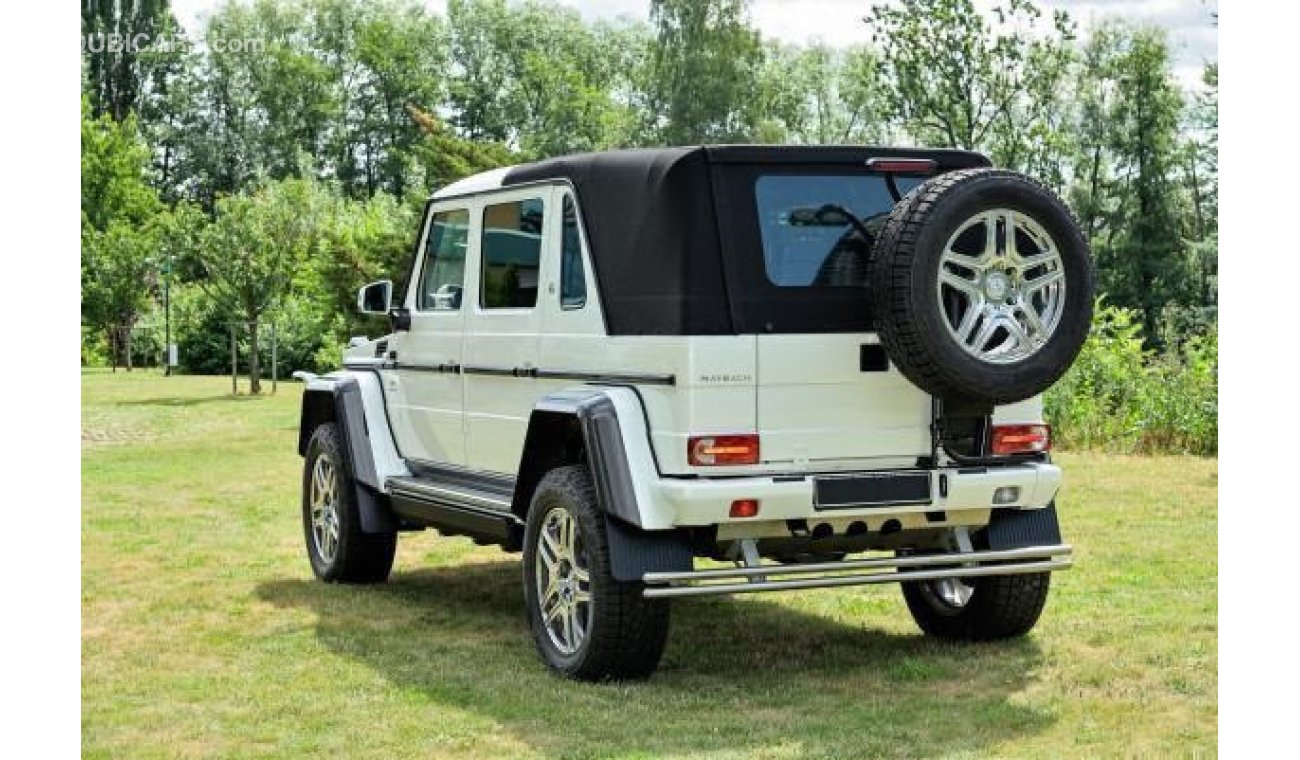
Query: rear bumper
point(747, 580)
point(707, 501)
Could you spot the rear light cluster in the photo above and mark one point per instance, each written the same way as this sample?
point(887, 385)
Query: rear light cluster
point(715, 450)
point(1021, 439)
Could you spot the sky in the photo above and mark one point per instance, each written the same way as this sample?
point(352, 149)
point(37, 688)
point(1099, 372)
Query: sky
point(838, 22)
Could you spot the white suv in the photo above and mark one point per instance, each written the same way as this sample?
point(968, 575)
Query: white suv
point(772, 357)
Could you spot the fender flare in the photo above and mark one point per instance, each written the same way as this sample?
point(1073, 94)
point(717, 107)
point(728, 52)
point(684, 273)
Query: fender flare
point(340, 398)
point(607, 425)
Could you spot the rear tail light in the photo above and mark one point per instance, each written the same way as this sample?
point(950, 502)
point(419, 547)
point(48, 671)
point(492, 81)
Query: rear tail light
point(1021, 439)
point(744, 508)
point(713, 450)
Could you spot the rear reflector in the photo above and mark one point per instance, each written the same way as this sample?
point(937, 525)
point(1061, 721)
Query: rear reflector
point(1021, 439)
point(712, 450)
point(914, 166)
point(744, 508)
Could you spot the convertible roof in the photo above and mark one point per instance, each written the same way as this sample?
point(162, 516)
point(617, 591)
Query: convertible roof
point(652, 222)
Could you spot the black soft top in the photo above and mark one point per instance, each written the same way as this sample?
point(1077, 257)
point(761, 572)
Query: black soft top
point(672, 235)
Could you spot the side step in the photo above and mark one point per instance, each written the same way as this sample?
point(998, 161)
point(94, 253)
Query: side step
point(457, 508)
point(774, 577)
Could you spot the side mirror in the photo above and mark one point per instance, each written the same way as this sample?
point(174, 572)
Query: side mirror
point(376, 298)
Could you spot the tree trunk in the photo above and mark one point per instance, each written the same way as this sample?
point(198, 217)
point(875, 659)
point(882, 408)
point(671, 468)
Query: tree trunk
point(128, 332)
point(112, 346)
point(254, 366)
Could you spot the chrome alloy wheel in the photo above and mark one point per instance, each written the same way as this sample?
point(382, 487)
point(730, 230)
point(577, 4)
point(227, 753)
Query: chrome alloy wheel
point(325, 508)
point(1001, 286)
point(563, 581)
point(954, 592)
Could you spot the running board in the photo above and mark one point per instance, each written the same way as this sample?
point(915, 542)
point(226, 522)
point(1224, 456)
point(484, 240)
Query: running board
point(457, 509)
point(759, 578)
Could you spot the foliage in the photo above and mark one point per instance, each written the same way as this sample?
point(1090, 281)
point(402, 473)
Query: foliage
point(118, 230)
point(250, 251)
point(1119, 396)
point(952, 79)
point(702, 60)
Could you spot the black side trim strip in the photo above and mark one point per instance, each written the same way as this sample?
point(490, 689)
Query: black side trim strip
point(621, 378)
point(613, 378)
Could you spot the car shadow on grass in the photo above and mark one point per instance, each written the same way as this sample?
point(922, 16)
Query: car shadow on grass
point(743, 675)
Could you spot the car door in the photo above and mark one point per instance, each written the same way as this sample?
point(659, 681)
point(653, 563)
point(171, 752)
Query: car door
point(426, 390)
point(503, 324)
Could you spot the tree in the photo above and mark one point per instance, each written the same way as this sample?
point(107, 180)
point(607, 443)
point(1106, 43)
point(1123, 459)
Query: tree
point(1142, 260)
point(115, 37)
point(702, 61)
point(950, 79)
point(249, 252)
point(118, 236)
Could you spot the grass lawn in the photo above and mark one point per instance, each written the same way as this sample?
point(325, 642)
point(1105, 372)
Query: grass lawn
point(204, 634)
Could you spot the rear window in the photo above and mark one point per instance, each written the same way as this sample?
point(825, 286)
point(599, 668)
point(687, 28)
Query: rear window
point(512, 252)
point(806, 223)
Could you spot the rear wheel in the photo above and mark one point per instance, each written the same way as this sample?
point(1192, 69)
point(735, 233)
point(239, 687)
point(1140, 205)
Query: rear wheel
point(978, 609)
point(586, 624)
point(339, 551)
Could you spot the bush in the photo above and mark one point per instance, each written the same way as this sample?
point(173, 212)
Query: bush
point(1121, 397)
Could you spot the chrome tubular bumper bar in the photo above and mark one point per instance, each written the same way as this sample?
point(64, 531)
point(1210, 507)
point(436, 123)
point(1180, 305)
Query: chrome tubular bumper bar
point(752, 579)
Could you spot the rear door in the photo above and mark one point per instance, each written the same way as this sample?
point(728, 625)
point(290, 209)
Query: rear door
point(502, 331)
point(827, 395)
point(832, 400)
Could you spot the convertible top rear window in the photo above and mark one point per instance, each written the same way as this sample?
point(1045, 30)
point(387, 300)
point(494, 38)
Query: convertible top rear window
point(810, 226)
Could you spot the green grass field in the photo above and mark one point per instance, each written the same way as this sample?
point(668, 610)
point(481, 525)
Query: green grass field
point(204, 634)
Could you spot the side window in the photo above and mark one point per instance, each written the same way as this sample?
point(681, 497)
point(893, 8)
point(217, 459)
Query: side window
point(512, 252)
point(573, 280)
point(443, 275)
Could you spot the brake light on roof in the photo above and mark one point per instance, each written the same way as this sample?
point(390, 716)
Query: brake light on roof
point(1021, 439)
point(912, 166)
point(713, 450)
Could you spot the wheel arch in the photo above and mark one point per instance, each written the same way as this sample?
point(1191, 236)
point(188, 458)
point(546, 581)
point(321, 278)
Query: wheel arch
point(367, 442)
point(604, 429)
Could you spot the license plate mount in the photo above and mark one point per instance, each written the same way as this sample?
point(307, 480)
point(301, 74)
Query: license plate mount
point(872, 490)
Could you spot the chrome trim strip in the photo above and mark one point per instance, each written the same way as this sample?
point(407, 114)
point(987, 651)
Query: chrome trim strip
point(756, 586)
point(926, 560)
point(453, 496)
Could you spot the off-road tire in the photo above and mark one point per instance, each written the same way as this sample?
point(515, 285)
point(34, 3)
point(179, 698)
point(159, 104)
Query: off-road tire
point(903, 273)
point(1001, 607)
point(627, 632)
point(360, 557)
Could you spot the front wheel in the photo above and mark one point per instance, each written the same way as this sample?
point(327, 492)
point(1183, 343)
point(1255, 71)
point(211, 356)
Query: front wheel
point(587, 624)
point(340, 552)
point(978, 609)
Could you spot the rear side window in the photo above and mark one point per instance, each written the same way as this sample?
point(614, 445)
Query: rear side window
point(443, 275)
point(573, 279)
point(806, 223)
point(512, 252)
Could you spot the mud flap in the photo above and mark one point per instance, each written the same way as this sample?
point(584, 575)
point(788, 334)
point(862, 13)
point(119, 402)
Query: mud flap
point(1022, 528)
point(634, 552)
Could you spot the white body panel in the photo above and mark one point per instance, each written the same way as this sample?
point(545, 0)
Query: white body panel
point(388, 463)
point(817, 409)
